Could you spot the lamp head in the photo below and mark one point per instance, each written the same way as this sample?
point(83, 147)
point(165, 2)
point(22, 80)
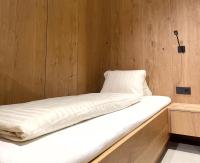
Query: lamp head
point(176, 33)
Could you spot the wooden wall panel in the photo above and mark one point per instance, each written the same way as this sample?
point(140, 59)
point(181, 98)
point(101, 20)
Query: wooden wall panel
point(62, 40)
point(97, 43)
point(51, 48)
point(22, 50)
point(142, 38)
point(76, 47)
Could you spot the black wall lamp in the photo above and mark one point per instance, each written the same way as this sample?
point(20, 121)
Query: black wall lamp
point(181, 49)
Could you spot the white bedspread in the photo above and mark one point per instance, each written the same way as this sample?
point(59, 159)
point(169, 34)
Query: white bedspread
point(82, 142)
point(30, 120)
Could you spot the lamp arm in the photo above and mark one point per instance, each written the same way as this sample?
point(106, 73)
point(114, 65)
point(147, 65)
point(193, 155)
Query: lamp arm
point(178, 41)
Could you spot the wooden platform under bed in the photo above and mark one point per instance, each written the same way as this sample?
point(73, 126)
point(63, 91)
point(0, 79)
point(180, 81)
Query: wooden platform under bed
point(145, 144)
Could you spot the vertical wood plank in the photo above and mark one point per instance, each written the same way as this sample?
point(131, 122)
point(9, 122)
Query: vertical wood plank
point(61, 77)
point(22, 50)
point(93, 44)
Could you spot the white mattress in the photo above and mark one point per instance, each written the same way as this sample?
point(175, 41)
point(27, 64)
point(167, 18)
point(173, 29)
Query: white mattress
point(83, 142)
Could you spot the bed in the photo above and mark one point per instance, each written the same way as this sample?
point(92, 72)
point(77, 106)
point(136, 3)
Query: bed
point(108, 138)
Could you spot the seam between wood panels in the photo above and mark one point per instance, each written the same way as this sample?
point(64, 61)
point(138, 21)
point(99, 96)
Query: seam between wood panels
point(77, 46)
point(12, 98)
point(47, 18)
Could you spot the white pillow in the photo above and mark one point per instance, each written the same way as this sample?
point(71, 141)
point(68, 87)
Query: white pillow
point(132, 81)
point(125, 82)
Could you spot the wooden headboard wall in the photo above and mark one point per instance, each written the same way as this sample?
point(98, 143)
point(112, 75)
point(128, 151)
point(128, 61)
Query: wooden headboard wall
point(51, 48)
point(142, 38)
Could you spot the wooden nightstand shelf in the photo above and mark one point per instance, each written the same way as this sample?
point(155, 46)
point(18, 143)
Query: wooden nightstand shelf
point(184, 119)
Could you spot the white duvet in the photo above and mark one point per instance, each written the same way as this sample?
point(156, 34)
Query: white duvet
point(30, 120)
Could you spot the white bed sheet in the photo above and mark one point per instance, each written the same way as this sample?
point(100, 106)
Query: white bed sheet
point(84, 141)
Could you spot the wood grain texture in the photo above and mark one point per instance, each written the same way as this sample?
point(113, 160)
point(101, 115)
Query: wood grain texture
point(84, 38)
point(184, 107)
point(62, 40)
point(142, 38)
point(144, 144)
point(94, 43)
point(22, 50)
point(76, 46)
point(185, 119)
point(182, 123)
point(51, 48)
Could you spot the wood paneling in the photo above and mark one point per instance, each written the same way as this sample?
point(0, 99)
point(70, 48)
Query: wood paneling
point(22, 50)
point(98, 42)
point(180, 119)
point(76, 46)
point(142, 38)
point(62, 40)
point(52, 48)
point(187, 115)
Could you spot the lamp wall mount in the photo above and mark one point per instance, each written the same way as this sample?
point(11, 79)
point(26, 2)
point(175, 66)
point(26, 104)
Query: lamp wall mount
point(181, 48)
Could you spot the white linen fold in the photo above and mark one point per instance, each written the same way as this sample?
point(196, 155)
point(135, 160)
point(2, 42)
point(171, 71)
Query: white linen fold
point(22, 122)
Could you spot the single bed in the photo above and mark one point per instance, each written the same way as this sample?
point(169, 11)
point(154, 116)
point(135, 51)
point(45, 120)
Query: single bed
point(85, 141)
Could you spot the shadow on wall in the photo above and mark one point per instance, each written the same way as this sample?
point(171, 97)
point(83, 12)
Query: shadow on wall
point(97, 43)
point(16, 92)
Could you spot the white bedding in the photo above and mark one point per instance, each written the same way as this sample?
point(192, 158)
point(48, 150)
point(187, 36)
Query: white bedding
point(21, 122)
point(84, 141)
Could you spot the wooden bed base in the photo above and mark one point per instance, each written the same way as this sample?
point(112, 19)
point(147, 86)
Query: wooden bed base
point(145, 144)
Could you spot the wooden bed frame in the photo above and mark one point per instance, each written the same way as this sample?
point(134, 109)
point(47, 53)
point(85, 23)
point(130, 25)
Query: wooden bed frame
point(145, 144)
